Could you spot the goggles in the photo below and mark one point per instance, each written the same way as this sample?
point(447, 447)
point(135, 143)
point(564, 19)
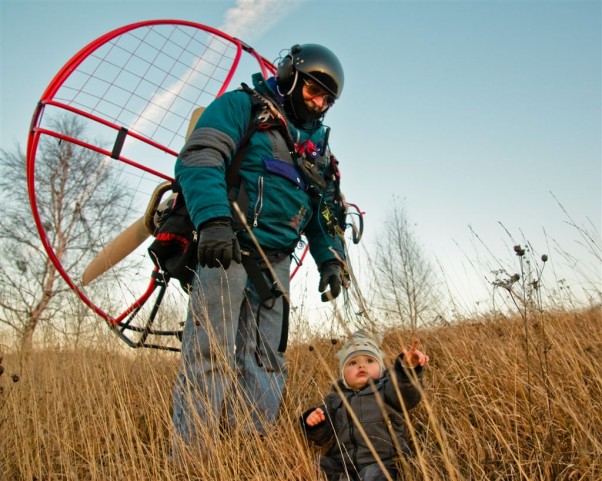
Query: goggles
point(315, 91)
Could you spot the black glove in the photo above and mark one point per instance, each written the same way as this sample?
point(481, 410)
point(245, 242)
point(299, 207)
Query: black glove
point(218, 245)
point(332, 275)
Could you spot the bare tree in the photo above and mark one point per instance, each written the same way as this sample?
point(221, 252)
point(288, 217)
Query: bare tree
point(79, 200)
point(407, 285)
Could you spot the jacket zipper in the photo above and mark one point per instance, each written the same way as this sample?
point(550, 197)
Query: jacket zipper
point(259, 203)
point(352, 432)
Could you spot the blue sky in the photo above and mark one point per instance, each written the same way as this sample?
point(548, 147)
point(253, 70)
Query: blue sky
point(478, 114)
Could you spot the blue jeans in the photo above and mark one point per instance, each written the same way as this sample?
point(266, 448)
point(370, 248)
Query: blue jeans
point(232, 353)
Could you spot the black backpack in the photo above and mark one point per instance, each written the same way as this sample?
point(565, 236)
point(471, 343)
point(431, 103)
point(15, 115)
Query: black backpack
point(174, 249)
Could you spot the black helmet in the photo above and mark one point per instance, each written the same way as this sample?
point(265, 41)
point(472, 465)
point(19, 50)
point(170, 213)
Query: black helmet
point(312, 61)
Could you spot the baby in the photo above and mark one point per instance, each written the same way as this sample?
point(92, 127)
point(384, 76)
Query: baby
point(363, 380)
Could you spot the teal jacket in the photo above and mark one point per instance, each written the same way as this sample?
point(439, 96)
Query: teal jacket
point(279, 207)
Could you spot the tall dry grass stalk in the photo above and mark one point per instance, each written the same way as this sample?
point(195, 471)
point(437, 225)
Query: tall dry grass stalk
point(88, 415)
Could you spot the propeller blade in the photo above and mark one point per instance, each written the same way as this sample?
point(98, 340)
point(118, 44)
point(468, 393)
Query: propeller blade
point(123, 245)
point(194, 118)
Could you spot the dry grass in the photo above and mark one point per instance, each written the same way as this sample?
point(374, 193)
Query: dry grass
point(505, 399)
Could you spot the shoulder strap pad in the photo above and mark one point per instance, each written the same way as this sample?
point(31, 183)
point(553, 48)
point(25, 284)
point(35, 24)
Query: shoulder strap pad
point(259, 104)
point(232, 177)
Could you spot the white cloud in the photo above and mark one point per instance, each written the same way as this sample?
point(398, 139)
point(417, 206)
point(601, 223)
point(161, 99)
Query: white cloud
point(250, 19)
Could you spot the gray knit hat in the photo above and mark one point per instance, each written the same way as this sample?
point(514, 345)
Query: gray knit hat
point(361, 342)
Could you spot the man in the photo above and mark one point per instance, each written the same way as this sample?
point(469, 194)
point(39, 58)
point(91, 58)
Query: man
point(285, 185)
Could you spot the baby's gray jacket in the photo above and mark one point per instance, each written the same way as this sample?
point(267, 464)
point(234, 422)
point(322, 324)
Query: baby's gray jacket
point(385, 431)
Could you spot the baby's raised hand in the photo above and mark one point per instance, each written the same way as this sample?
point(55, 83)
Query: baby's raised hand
point(315, 417)
point(414, 357)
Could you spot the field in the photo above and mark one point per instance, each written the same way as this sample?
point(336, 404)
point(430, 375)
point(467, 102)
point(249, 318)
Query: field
point(504, 399)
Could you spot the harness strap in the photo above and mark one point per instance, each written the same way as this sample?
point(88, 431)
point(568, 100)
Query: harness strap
point(280, 119)
point(251, 266)
point(284, 333)
point(232, 173)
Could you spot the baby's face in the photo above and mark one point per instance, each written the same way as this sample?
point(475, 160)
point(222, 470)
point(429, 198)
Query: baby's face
point(359, 370)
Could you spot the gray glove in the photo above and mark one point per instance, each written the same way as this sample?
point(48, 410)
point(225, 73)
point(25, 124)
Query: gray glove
point(331, 275)
point(218, 245)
